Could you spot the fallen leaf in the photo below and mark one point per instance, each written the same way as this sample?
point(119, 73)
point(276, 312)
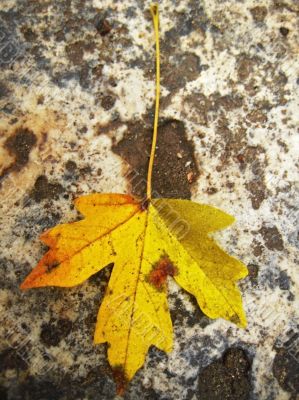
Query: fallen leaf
point(146, 243)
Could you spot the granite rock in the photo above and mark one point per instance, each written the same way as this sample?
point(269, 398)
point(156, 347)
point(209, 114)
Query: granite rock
point(77, 101)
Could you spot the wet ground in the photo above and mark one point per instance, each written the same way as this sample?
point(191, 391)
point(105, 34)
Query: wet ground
point(77, 101)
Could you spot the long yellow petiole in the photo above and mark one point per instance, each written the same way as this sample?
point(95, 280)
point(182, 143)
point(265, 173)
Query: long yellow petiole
point(155, 15)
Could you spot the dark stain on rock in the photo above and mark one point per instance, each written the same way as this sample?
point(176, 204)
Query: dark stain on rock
point(201, 104)
point(284, 31)
point(284, 281)
point(87, 170)
point(186, 22)
point(258, 192)
point(227, 378)
point(107, 102)
point(71, 166)
point(3, 393)
point(286, 369)
point(75, 52)
point(174, 159)
point(13, 359)
point(53, 332)
point(84, 75)
point(181, 69)
point(235, 148)
point(35, 388)
point(245, 66)
point(182, 317)
point(259, 13)
point(253, 270)
point(229, 102)
point(71, 171)
point(40, 101)
point(178, 68)
point(28, 34)
point(43, 189)
point(19, 145)
point(257, 116)
point(96, 384)
point(272, 237)
point(252, 157)
point(158, 275)
point(4, 90)
point(233, 141)
point(211, 190)
point(31, 224)
point(102, 26)
point(61, 78)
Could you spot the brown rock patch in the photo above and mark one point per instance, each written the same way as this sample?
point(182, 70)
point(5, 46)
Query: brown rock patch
point(259, 13)
point(43, 189)
point(272, 237)
point(173, 162)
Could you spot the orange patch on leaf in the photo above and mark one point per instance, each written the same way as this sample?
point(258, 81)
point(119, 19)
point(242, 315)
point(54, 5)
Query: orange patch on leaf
point(161, 270)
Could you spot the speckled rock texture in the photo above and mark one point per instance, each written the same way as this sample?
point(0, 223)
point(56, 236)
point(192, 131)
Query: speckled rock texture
point(77, 101)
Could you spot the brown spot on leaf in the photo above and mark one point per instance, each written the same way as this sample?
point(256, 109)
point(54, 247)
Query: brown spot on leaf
point(51, 265)
point(160, 271)
point(144, 204)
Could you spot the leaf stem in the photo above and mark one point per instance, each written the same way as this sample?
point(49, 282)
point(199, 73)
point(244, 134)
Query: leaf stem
point(155, 15)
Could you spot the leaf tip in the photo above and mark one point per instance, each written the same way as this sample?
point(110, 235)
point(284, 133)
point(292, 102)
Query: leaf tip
point(120, 379)
point(28, 283)
point(239, 320)
point(24, 286)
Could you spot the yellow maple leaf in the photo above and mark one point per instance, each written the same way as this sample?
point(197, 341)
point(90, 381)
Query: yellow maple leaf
point(146, 241)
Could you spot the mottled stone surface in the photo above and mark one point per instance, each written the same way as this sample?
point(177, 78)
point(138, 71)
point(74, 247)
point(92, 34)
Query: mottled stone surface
point(77, 97)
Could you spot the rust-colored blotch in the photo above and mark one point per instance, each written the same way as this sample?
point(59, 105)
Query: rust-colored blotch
point(158, 275)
